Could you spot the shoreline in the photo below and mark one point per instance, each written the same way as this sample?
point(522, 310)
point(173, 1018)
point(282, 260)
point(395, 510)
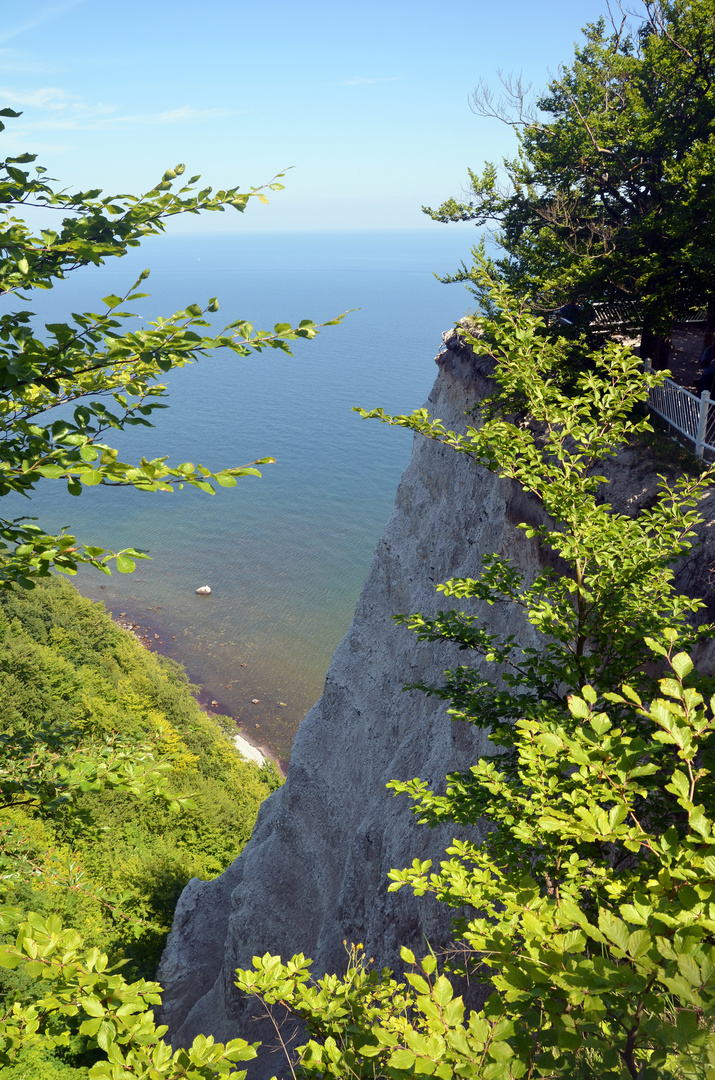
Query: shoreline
point(254, 752)
point(251, 752)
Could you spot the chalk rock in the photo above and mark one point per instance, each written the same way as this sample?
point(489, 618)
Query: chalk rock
point(203, 590)
point(315, 869)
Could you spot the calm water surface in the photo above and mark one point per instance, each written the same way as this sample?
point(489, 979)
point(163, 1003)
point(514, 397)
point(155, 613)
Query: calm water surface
point(285, 555)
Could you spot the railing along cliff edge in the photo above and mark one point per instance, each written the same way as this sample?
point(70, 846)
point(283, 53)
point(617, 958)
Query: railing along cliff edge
point(692, 416)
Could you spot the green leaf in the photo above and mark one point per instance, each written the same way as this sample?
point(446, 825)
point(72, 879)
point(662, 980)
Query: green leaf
point(105, 1035)
point(9, 957)
point(600, 723)
point(682, 664)
point(112, 300)
point(689, 970)
point(680, 784)
point(578, 707)
point(500, 1051)
point(401, 1059)
point(93, 1006)
point(442, 991)
point(90, 1027)
point(639, 943)
point(615, 930)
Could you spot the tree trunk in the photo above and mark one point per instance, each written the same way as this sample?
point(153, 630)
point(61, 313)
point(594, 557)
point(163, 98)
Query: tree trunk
point(656, 347)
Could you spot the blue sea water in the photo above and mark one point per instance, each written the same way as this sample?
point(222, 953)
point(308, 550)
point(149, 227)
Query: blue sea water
point(285, 555)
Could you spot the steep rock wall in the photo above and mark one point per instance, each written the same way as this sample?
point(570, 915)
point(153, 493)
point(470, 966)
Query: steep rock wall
point(315, 870)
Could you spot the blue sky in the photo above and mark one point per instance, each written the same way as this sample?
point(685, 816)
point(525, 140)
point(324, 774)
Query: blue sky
point(368, 101)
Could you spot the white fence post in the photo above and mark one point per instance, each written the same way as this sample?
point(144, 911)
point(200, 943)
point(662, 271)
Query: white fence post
point(682, 410)
point(702, 423)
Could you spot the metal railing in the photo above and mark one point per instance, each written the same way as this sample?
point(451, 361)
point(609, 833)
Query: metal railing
point(692, 416)
point(613, 314)
point(629, 314)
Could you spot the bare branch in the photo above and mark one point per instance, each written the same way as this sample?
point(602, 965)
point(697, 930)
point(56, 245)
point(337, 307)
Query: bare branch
point(658, 23)
point(269, 1014)
point(512, 107)
point(617, 30)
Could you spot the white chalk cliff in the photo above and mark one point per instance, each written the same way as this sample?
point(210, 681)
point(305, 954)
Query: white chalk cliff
point(315, 870)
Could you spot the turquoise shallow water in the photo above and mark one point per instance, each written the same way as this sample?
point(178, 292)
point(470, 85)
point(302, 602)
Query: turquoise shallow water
point(285, 555)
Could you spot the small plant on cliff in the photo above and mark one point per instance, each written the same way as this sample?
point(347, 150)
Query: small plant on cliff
point(591, 902)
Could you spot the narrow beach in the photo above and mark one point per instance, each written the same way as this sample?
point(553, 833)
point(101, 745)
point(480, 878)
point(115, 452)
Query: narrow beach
point(147, 636)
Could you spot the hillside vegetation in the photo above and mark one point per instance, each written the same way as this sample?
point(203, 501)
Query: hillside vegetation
point(64, 663)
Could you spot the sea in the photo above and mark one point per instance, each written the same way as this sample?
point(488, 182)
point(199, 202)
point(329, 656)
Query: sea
point(285, 555)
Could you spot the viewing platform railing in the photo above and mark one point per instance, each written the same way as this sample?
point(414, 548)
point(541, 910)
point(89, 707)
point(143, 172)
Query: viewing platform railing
point(689, 414)
point(628, 314)
point(621, 316)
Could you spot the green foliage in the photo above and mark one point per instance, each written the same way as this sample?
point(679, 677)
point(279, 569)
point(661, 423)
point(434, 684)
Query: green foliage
point(610, 195)
point(618, 589)
point(40, 1063)
point(93, 721)
point(116, 790)
point(339, 1012)
point(590, 904)
point(105, 375)
point(80, 991)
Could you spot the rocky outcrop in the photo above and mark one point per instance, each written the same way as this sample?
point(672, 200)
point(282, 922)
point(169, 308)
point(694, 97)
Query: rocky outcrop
point(315, 870)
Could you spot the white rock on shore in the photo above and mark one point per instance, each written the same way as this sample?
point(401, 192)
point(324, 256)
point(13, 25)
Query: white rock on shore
point(250, 752)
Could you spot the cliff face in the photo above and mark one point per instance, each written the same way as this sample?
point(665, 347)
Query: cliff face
point(315, 870)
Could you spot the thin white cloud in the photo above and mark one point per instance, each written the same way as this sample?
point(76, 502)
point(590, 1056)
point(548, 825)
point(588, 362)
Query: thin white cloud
point(18, 145)
point(45, 14)
point(50, 97)
point(20, 62)
point(360, 81)
point(50, 108)
point(182, 114)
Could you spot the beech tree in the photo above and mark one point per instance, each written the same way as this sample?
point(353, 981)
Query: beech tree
point(611, 195)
